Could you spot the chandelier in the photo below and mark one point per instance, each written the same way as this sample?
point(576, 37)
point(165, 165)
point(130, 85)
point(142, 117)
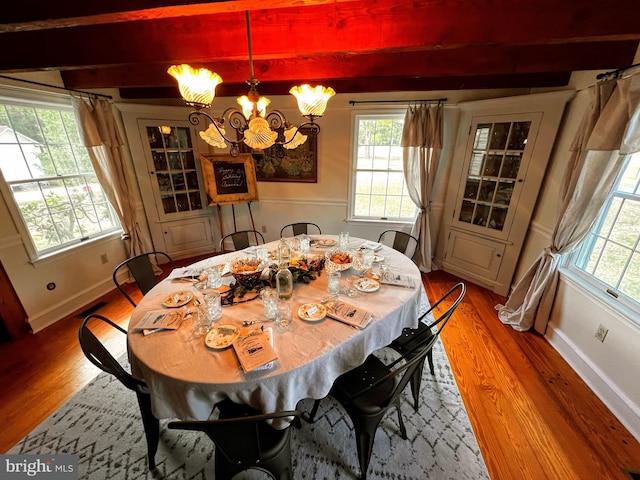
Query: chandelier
point(254, 126)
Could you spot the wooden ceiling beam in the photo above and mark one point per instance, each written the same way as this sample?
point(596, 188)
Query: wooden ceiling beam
point(374, 84)
point(450, 63)
point(24, 17)
point(326, 29)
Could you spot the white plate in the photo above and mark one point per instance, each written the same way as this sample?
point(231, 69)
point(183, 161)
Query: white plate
point(367, 285)
point(312, 312)
point(222, 336)
point(323, 242)
point(177, 299)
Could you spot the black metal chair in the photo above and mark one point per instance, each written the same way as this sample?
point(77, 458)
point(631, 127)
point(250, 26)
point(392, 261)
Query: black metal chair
point(400, 241)
point(141, 268)
point(243, 440)
point(367, 392)
point(300, 228)
point(243, 239)
point(410, 337)
point(97, 354)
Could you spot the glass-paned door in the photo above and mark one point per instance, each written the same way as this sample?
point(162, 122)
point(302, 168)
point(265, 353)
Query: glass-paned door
point(176, 177)
point(496, 165)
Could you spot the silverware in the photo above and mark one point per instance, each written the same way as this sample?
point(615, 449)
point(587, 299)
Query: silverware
point(247, 323)
point(328, 299)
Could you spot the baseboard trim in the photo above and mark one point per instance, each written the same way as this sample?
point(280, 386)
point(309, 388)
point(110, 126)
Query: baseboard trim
point(61, 310)
point(619, 404)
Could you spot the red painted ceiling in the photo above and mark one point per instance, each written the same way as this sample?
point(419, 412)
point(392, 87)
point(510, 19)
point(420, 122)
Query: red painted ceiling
point(353, 45)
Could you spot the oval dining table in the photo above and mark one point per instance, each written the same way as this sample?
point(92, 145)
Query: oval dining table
point(186, 378)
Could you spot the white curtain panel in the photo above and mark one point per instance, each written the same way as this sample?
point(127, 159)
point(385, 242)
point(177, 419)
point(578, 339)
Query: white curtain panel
point(100, 133)
point(422, 145)
point(609, 132)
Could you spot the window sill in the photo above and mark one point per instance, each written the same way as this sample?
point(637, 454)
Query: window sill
point(73, 250)
point(621, 311)
point(390, 224)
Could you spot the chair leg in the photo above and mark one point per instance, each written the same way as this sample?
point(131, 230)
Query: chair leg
point(151, 428)
point(403, 430)
point(416, 381)
point(430, 359)
point(311, 416)
point(365, 432)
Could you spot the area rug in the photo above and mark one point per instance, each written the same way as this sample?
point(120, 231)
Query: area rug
point(101, 424)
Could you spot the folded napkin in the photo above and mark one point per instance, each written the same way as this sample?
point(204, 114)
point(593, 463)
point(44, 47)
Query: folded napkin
point(157, 320)
point(371, 245)
point(398, 280)
point(349, 314)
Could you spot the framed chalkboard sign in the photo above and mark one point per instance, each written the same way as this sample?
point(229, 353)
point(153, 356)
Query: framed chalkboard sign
point(229, 179)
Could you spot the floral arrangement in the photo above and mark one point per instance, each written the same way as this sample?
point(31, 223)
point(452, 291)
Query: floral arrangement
point(303, 269)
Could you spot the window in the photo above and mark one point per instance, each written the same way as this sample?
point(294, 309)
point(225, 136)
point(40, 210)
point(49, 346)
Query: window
point(378, 190)
point(50, 176)
point(610, 255)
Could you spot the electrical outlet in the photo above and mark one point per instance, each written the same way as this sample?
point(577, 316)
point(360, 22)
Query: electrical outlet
point(264, 229)
point(104, 259)
point(601, 332)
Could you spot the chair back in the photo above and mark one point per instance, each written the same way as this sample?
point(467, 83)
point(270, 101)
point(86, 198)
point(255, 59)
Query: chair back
point(300, 228)
point(400, 241)
point(242, 239)
point(98, 354)
point(247, 441)
point(402, 368)
point(141, 269)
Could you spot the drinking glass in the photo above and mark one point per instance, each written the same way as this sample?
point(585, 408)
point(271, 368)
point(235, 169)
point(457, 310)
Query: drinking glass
point(333, 282)
point(213, 277)
point(349, 286)
point(213, 305)
point(367, 258)
point(303, 243)
point(343, 240)
point(283, 318)
point(262, 253)
point(269, 298)
point(201, 322)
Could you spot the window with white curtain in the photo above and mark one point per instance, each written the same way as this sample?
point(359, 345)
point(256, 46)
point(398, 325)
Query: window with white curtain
point(48, 175)
point(378, 190)
point(609, 258)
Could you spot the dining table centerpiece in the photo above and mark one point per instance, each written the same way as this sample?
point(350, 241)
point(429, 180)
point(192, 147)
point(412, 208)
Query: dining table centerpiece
point(304, 269)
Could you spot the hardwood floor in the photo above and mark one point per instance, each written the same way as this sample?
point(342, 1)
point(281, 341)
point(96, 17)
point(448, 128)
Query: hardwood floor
point(533, 416)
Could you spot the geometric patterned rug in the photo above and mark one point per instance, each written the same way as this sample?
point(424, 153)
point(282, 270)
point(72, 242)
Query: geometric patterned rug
point(101, 424)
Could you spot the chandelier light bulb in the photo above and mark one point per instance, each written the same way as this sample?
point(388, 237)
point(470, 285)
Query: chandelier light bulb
point(312, 101)
point(197, 85)
point(247, 106)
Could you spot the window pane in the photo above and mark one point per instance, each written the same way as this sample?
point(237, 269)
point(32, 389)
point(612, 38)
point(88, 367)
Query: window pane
point(611, 252)
point(379, 188)
point(51, 177)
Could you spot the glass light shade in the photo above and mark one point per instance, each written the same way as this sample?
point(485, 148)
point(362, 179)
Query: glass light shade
point(247, 106)
point(293, 133)
point(214, 136)
point(197, 86)
point(259, 136)
point(312, 100)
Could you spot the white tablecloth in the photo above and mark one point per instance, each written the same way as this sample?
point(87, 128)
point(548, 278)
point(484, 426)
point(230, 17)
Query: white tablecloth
point(186, 379)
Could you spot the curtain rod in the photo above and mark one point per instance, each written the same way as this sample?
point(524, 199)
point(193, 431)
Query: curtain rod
point(91, 94)
point(616, 72)
point(439, 100)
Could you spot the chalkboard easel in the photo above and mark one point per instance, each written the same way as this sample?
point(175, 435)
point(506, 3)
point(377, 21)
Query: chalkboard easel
point(230, 181)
